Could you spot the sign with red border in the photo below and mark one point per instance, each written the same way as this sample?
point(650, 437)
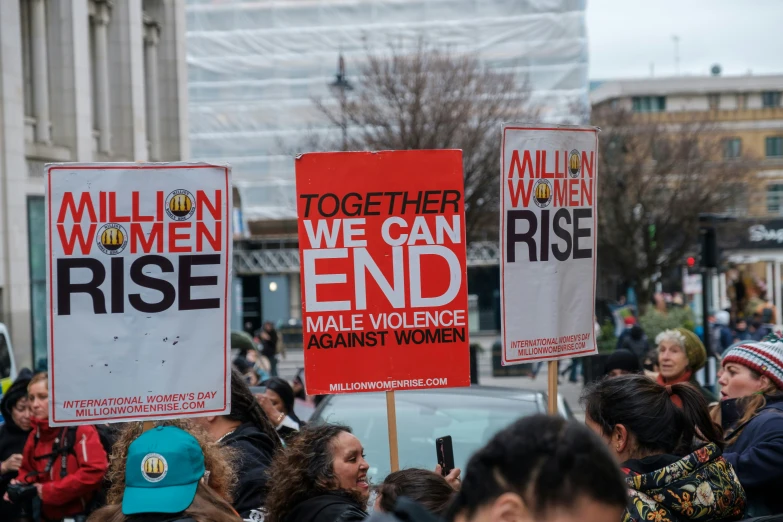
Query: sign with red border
point(548, 216)
point(383, 270)
point(138, 291)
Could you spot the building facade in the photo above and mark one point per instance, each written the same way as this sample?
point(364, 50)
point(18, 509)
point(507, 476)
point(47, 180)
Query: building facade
point(746, 114)
point(257, 66)
point(80, 81)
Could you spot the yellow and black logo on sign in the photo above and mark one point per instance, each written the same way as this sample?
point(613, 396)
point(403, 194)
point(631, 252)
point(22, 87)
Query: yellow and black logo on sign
point(574, 163)
point(543, 193)
point(180, 205)
point(112, 238)
point(154, 467)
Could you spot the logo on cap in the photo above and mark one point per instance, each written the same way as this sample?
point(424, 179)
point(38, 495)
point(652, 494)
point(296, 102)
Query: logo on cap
point(154, 467)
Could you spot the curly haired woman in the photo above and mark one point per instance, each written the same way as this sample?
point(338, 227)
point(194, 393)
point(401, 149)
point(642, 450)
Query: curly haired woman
point(320, 477)
point(200, 477)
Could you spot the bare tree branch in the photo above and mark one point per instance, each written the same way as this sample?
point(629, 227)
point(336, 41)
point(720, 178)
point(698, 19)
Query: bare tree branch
point(433, 99)
point(655, 179)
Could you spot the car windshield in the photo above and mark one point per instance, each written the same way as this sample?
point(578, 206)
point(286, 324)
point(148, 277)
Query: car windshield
point(422, 417)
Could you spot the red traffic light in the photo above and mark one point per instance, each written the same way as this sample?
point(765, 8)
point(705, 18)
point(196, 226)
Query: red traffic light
point(691, 262)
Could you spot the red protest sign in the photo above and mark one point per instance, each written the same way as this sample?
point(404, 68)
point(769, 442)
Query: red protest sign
point(383, 270)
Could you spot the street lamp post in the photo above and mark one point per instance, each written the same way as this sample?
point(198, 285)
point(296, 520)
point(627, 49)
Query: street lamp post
point(341, 85)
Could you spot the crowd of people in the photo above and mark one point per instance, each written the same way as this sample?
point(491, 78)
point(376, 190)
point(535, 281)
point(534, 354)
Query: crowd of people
point(655, 446)
point(738, 433)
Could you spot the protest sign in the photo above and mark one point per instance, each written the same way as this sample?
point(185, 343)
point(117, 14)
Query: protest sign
point(383, 270)
point(138, 265)
point(548, 242)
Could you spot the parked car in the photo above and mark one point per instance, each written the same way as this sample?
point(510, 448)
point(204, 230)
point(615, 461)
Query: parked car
point(470, 415)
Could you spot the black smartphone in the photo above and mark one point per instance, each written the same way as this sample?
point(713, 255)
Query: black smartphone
point(445, 453)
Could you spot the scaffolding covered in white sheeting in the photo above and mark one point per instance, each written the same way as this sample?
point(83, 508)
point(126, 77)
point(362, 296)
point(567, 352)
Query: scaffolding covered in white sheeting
point(255, 67)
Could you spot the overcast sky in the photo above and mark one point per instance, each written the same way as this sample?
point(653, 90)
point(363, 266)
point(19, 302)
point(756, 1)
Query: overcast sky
point(626, 36)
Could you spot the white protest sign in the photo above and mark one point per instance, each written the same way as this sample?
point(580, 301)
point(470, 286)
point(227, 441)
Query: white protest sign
point(548, 242)
point(138, 291)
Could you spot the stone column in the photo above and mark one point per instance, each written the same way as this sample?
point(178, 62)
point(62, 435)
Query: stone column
point(103, 108)
point(151, 39)
point(40, 70)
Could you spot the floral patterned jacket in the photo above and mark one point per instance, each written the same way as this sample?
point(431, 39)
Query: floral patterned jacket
point(701, 486)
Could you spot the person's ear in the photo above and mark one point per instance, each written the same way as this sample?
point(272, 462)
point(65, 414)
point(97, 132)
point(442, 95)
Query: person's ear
point(619, 439)
point(509, 507)
point(764, 383)
point(211, 418)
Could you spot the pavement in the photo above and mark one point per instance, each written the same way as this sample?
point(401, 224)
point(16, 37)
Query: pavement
point(294, 360)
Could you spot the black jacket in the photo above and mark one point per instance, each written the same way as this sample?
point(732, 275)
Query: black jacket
point(12, 440)
point(757, 455)
point(254, 451)
point(269, 346)
point(328, 507)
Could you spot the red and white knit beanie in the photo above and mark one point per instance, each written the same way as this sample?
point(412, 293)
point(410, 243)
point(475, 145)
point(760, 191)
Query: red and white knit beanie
point(765, 357)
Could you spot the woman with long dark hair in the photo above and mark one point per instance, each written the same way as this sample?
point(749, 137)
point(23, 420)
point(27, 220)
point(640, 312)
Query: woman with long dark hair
point(248, 432)
point(752, 414)
point(13, 436)
point(321, 476)
point(671, 455)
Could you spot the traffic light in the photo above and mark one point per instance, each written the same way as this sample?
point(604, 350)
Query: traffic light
point(691, 261)
point(709, 248)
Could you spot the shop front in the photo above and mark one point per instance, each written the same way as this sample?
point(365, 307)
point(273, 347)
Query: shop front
point(753, 255)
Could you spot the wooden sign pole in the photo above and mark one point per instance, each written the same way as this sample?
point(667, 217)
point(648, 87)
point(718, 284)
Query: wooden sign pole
point(552, 388)
point(391, 419)
point(146, 426)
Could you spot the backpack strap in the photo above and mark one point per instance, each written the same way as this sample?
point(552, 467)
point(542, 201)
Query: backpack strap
point(67, 445)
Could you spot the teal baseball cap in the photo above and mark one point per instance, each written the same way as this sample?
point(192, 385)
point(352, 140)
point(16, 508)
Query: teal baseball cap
point(162, 471)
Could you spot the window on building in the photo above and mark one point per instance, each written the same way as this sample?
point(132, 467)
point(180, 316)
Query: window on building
point(770, 99)
point(713, 100)
point(774, 146)
point(648, 103)
point(775, 198)
point(732, 148)
point(36, 229)
point(742, 100)
point(736, 200)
